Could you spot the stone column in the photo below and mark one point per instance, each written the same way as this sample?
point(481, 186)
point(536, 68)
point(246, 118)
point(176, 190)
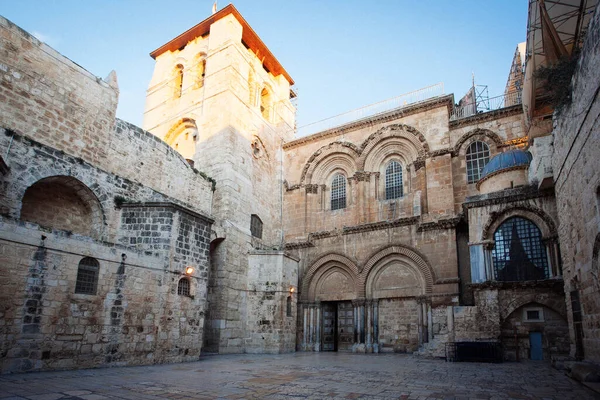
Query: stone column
point(375, 326)
point(305, 326)
point(311, 328)
point(551, 246)
point(487, 256)
point(318, 327)
point(356, 326)
point(429, 323)
point(369, 340)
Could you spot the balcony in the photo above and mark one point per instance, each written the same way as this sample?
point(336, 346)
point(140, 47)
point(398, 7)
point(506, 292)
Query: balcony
point(484, 105)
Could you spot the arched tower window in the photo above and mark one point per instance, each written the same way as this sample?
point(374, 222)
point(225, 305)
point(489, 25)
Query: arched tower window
point(519, 254)
point(183, 287)
point(178, 80)
point(338, 192)
point(200, 70)
point(478, 154)
point(87, 276)
point(265, 104)
point(393, 181)
point(256, 226)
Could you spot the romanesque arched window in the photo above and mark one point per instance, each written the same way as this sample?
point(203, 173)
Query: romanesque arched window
point(178, 80)
point(478, 154)
point(265, 104)
point(200, 70)
point(183, 287)
point(518, 253)
point(338, 192)
point(87, 276)
point(393, 181)
point(256, 226)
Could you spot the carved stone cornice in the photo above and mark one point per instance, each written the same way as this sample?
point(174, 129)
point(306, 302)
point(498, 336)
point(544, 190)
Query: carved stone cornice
point(298, 245)
point(312, 188)
point(375, 226)
point(506, 196)
point(448, 223)
point(392, 115)
point(487, 116)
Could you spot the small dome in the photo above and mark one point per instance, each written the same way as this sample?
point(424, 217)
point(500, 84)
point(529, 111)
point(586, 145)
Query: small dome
point(506, 160)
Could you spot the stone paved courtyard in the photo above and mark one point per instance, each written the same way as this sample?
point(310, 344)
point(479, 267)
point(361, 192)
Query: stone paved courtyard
point(301, 375)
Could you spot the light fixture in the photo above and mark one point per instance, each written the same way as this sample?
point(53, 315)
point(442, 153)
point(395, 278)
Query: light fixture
point(189, 270)
point(292, 289)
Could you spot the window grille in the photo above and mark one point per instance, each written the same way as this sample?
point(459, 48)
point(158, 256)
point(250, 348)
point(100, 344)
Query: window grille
point(393, 181)
point(183, 287)
point(87, 276)
point(338, 192)
point(256, 226)
point(519, 254)
point(478, 155)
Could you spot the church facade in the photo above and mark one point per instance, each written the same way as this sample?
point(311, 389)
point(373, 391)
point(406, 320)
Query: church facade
point(214, 229)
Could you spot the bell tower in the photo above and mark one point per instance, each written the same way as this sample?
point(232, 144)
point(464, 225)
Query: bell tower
point(221, 99)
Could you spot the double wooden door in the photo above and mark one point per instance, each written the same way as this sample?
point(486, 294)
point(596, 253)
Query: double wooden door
point(338, 326)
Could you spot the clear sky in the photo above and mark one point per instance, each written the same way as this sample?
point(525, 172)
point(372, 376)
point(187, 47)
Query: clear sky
point(342, 54)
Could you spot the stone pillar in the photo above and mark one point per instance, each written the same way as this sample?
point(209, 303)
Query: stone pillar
point(551, 246)
point(375, 326)
point(489, 267)
point(429, 323)
point(369, 340)
point(359, 309)
point(311, 328)
point(450, 313)
point(305, 326)
point(356, 327)
point(318, 327)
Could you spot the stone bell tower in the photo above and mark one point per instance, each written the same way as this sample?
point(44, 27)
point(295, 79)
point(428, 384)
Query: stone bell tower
point(222, 100)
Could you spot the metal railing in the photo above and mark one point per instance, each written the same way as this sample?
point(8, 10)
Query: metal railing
point(486, 105)
point(372, 110)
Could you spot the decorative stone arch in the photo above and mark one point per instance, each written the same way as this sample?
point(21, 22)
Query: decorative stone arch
point(266, 102)
point(403, 254)
point(178, 128)
point(71, 186)
point(323, 265)
point(484, 135)
point(400, 139)
point(556, 305)
point(536, 215)
point(336, 155)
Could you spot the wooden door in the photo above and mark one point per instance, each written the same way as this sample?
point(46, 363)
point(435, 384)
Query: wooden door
point(345, 326)
point(329, 310)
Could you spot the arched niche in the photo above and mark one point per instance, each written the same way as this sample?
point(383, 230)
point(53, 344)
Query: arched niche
point(395, 277)
point(65, 203)
point(319, 276)
point(183, 137)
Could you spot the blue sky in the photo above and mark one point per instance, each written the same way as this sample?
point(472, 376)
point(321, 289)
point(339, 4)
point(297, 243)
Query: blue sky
point(341, 54)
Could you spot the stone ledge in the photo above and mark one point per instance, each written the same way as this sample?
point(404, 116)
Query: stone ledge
point(169, 205)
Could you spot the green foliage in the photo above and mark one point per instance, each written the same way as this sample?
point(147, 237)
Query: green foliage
point(208, 178)
point(119, 201)
point(555, 79)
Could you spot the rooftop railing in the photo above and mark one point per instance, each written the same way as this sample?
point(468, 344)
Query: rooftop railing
point(485, 105)
point(372, 110)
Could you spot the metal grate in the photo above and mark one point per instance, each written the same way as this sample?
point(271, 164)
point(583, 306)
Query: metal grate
point(478, 155)
point(393, 181)
point(519, 253)
point(256, 226)
point(338, 192)
point(474, 352)
point(183, 287)
point(87, 276)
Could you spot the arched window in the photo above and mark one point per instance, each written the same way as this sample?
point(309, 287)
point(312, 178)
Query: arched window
point(478, 154)
point(87, 276)
point(265, 104)
point(200, 70)
point(338, 192)
point(183, 287)
point(519, 254)
point(178, 81)
point(393, 181)
point(256, 226)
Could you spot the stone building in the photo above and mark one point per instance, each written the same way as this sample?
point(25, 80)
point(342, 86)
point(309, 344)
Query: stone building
point(216, 229)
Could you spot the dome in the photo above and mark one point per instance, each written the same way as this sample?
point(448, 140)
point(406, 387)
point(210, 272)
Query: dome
point(506, 160)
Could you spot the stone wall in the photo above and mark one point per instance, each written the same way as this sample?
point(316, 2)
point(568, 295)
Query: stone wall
point(576, 168)
point(398, 325)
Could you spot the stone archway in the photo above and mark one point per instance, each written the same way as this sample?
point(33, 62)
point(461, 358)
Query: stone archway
point(63, 202)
